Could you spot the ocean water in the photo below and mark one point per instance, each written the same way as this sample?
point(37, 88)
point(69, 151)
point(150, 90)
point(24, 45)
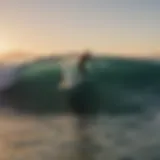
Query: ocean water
point(122, 123)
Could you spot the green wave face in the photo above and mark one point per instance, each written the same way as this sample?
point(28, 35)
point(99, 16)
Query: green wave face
point(113, 86)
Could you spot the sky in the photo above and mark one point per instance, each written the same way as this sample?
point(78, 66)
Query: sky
point(124, 27)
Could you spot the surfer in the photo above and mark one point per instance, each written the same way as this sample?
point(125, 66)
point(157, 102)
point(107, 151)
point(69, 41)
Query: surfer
point(73, 80)
point(79, 103)
point(78, 90)
point(78, 95)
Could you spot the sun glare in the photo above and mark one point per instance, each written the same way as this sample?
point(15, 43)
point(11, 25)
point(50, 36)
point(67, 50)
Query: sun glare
point(4, 47)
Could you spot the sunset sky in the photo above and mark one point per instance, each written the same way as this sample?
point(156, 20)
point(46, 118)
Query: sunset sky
point(110, 26)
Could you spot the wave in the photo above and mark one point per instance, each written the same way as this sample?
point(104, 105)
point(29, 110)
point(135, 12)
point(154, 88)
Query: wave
point(116, 86)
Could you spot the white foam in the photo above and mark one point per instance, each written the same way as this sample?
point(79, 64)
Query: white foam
point(71, 76)
point(7, 77)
